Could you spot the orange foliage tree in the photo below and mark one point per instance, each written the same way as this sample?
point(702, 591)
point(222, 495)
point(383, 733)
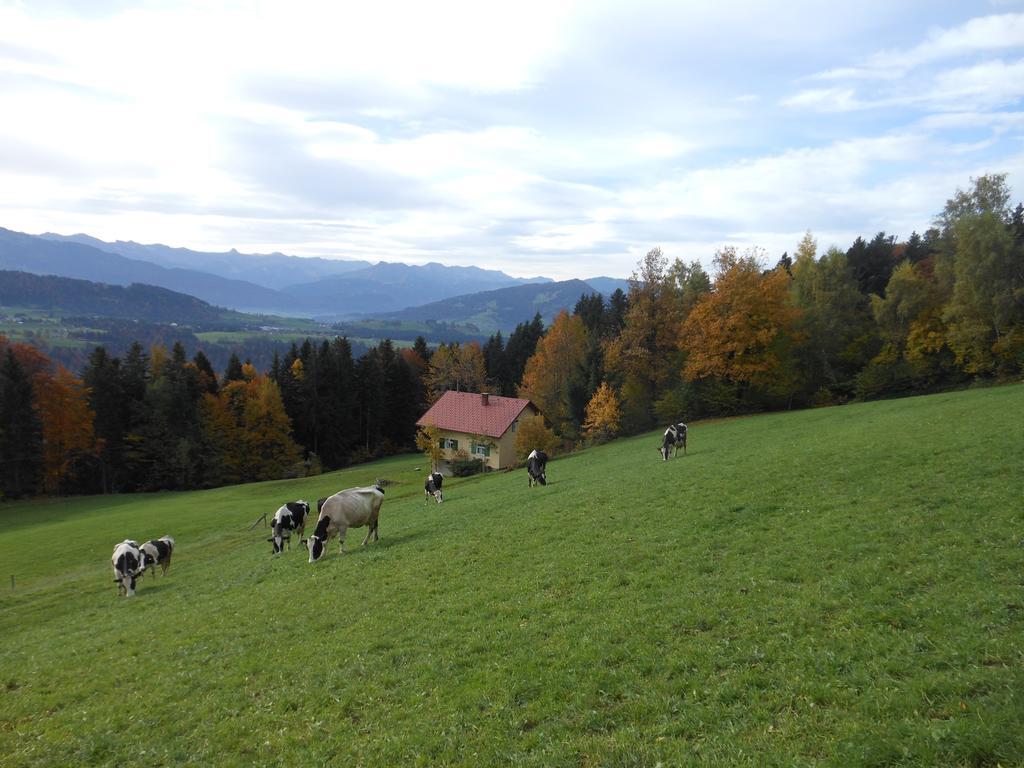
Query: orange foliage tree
point(549, 372)
point(741, 330)
point(67, 419)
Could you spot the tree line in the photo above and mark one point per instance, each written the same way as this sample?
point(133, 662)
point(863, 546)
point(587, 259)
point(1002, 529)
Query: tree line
point(882, 318)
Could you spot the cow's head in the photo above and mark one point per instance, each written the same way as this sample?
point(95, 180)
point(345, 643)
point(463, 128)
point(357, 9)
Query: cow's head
point(278, 541)
point(316, 548)
point(126, 584)
point(437, 496)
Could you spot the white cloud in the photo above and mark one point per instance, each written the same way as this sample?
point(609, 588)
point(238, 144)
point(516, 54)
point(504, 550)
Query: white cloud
point(979, 35)
point(557, 138)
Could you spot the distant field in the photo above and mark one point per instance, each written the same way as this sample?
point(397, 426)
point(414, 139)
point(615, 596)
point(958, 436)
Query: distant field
point(21, 325)
point(839, 586)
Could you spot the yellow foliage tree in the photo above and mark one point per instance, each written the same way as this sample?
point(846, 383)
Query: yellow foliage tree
point(458, 367)
point(248, 431)
point(534, 434)
point(603, 415)
point(428, 440)
point(550, 371)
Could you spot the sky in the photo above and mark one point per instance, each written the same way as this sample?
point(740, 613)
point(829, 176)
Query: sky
point(541, 137)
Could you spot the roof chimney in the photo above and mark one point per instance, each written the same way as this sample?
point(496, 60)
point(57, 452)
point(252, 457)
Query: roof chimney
point(483, 398)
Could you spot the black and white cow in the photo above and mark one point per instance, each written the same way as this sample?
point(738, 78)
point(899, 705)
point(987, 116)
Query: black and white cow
point(127, 562)
point(674, 436)
point(289, 517)
point(432, 487)
point(537, 467)
point(157, 552)
point(351, 508)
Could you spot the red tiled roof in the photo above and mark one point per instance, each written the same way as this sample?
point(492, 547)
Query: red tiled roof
point(466, 412)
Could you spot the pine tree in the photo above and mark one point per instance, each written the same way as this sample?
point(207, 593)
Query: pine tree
point(21, 442)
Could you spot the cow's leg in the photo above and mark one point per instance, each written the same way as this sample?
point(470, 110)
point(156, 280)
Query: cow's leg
point(341, 540)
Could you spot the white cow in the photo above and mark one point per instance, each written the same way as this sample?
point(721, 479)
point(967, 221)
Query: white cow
point(351, 508)
point(128, 564)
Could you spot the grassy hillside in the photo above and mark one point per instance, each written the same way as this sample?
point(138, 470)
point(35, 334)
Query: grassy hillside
point(840, 586)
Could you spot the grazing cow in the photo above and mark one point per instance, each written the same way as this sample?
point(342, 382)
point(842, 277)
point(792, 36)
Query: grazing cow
point(674, 436)
point(351, 508)
point(432, 487)
point(537, 467)
point(157, 552)
point(127, 562)
point(290, 517)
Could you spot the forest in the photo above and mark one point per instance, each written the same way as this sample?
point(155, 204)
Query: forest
point(883, 318)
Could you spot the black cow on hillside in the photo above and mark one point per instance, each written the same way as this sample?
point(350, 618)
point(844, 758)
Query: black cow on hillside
point(432, 487)
point(537, 467)
point(674, 436)
point(290, 517)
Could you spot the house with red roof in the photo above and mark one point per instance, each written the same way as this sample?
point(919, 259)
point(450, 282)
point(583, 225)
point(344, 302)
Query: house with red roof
point(481, 425)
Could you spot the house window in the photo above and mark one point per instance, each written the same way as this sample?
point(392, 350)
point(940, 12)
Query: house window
point(450, 443)
point(515, 424)
point(481, 450)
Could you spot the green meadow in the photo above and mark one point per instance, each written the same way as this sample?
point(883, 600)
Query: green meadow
point(840, 586)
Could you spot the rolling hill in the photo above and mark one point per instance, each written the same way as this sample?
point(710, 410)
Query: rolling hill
point(502, 309)
point(388, 287)
point(838, 586)
point(65, 295)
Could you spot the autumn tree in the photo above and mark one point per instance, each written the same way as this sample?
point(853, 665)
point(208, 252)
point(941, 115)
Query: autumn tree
point(741, 331)
point(603, 415)
point(644, 359)
point(534, 434)
point(67, 427)
point(458, 367)
point(550, 373)
point(245, 433)
point(428, 440)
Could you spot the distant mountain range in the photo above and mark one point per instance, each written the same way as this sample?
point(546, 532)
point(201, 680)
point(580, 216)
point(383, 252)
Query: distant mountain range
point(327, 289)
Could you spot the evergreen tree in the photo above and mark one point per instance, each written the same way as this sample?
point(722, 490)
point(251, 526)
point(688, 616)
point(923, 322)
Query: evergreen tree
point(207, 376)
point(102, 377)
point(420, 348)
point(234, 369)
point(522, 343)
point(21, 434)
point(872, 263)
